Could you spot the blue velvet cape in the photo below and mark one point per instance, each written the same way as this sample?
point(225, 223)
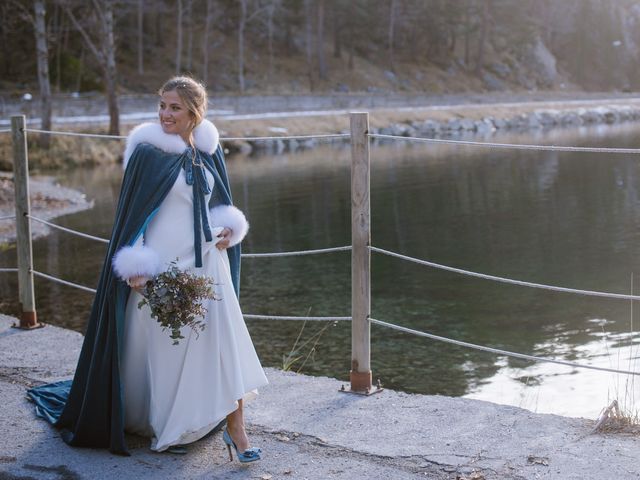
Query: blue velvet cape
point(89, 411)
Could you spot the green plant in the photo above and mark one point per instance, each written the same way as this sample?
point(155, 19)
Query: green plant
point(175, 299)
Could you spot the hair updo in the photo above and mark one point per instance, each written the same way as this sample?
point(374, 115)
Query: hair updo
point(192, 93)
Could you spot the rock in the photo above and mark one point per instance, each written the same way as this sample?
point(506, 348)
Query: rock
point(499, 123)
point(428, 127)
point(484, 126)
point(293, 145)
point(468, 124)
point(390, 76)
point(591, 116)
point(542, 61)
point(453, 125)
point(570, 118)
point(492, 82)
point(500, 69)
point(547, 117)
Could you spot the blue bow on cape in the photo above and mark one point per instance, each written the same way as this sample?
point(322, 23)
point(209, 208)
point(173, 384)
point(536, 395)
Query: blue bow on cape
point(195, 175)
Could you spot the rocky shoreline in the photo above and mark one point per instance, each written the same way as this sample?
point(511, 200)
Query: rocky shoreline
point(48, 200)
point(476, 124)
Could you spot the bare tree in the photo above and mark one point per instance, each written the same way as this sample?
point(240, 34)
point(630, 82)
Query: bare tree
point(205, 41)
point(37, 20)
point(322, 64)
point(483, 36)
point(337, 24)
point(179, 38)
point(189, 34)
point(242, 21)
point(272, 6)
point(43, 71)
point(393, 5)
point(467, 34)
point(309, 41)
point(104, 50)
point(140, 37)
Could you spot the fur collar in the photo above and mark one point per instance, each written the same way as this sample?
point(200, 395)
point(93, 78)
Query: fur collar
point(205, 138)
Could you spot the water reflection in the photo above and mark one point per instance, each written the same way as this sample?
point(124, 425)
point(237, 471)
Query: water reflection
point(548, 217)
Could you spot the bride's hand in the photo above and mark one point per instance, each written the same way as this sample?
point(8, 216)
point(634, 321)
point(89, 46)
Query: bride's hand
point(225, 238)
point(137, 283)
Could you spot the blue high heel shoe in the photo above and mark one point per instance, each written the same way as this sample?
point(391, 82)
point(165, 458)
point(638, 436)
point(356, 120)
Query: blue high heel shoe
point(249, 455)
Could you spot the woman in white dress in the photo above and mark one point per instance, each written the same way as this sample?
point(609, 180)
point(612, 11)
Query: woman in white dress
point(176, 394)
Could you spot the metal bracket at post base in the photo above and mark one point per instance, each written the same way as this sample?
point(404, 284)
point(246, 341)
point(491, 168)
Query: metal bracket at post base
point(28, 321)
point(361, 384)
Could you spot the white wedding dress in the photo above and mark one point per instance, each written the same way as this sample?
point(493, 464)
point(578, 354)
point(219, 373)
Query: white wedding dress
point(176, 394)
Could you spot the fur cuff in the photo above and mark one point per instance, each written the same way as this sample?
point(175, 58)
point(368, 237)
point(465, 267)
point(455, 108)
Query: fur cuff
point(230, 217)
point(136, 260)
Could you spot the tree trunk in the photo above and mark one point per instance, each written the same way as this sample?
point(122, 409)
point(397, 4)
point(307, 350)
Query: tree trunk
point(467, 35)
point(241, 24)
point(43, 72)
point(140, 37)
point(111, 81)
point(392, 25)
point(270, 12)
point(483, 35)
point(337, 32)
point(59, 42)
point(322, 64)
point(6, 58)
point(309, 42)
point(179, 39)
point(205, 42)
point(189, 34)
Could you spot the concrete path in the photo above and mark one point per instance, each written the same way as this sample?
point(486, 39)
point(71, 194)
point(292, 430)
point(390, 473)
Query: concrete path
point(309, 430)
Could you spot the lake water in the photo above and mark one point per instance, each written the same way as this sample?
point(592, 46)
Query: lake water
point(569, 219)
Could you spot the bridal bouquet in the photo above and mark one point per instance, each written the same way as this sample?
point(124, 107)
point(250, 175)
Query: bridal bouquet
point(175, 299)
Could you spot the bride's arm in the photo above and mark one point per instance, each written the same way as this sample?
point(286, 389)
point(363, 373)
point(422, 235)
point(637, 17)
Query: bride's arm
point(234, 221)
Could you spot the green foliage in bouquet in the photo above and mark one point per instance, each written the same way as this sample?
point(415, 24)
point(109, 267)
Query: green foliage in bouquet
point(175, 299)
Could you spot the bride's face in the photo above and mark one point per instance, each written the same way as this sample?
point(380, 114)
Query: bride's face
point(174, 115)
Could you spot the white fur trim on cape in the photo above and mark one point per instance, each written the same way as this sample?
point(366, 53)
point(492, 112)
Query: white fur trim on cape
point(205, 138)
point(136, 260)
point(230, 217)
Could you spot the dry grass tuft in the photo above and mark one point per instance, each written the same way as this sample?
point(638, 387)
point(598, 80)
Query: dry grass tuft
point(615, 420)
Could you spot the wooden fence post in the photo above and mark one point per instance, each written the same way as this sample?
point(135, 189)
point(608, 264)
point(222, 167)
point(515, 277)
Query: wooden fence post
point(28, 316)
point(360, 374)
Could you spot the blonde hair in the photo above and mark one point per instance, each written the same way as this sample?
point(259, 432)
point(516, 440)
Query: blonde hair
point(193, 95)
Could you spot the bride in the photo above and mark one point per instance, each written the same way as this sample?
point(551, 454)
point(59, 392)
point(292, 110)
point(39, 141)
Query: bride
point(175, 205)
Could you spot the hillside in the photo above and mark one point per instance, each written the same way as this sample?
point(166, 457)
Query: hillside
point(323, 46)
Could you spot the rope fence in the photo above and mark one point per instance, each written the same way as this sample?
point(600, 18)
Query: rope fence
point(246, 315)
point(514, 146)
point(290, 137)
point(361, 292)
point(484, 276)
point(281, 317)
point(5, 130)
point(63, 282)
point(68, 230)
point(497, 350)
point(76, 134)
point(297, 253)
point(225, 139)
